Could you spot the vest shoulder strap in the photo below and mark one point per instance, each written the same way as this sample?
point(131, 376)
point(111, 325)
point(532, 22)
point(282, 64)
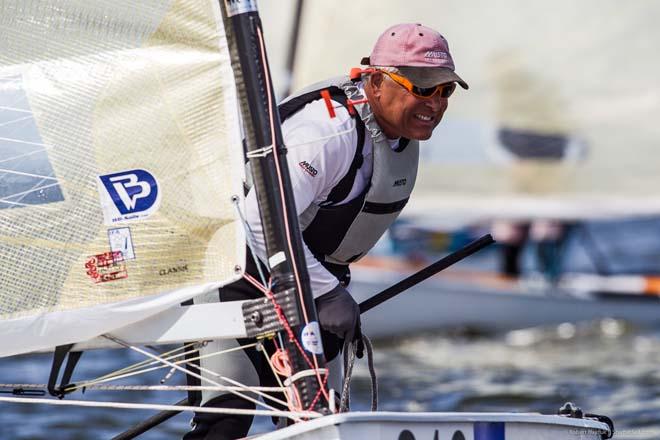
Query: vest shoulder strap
point(292, 106)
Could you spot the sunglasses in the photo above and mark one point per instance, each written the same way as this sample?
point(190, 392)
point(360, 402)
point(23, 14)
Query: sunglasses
point(445, 90)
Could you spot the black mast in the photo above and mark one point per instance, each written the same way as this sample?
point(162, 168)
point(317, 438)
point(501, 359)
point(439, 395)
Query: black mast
point(265, 148)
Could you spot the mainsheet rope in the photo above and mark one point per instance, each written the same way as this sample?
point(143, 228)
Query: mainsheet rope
point(350, 348)
point(198, 376)
point(128, 371)
point(203, 409)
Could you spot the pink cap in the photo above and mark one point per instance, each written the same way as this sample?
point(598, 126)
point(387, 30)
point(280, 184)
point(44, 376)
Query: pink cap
point(411, 45)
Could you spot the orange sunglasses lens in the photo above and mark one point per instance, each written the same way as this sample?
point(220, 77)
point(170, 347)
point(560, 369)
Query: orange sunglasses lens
point(445, 90)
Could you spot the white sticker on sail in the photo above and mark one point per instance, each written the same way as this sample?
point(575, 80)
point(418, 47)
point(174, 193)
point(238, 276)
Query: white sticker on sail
point(128, 195)
point(235, 7)
point(311, 338)
point(121, 241)
point(276, 259)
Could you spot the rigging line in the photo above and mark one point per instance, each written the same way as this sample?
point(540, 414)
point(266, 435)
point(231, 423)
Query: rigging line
point(35, 187)
point(13, 121)
point(39, 386)
point(203, 409)
point(110, 378)
point(240, 387)
point(13, 109)
point(20, 156)
point(246, 388)
point(21, 173)
point(270, 364)
point(169, 355)
point(23, 193)
point(260, 152)
point(17, 141)
point(250, 239)
point(285, 323)
point(179, 388)
point(173, 365)
point(129, 372)
point(15, 204)
point(186, 371)
point(284, 211)
point(319, 393)
point(40, 206)
point(279, 174)
point(280, 316)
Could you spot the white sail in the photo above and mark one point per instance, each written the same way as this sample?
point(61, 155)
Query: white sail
point(120, 153)
point(560, 118)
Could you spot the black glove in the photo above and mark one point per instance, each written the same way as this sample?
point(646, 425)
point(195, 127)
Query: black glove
point(340, 314)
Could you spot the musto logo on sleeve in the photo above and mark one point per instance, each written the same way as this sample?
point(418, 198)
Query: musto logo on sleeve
point(128, 195)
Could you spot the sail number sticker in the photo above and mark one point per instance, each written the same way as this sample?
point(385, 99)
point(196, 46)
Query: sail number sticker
point(108, 266)
point(235, 7)
point(121, 241)
point(311, 338)
point(128, 195)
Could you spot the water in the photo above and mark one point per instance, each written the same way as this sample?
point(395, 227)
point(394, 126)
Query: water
point(603, 367)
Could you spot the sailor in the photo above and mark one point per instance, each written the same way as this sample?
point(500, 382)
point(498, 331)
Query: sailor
point(352, 153)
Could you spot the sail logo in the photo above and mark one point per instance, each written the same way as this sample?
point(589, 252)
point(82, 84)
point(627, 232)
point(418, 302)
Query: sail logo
point(128, 195)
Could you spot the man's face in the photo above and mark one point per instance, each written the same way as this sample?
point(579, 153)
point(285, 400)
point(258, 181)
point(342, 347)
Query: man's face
point(400, 113)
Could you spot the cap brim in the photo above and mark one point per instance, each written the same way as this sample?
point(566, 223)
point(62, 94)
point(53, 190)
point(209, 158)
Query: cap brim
point(431, 76)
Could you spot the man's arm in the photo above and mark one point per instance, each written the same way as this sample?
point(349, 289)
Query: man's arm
point(318, 158)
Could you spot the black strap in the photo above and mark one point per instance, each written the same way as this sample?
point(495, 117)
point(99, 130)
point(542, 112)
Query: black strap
point(60, 354)
point(384, 208)
point(294, 105)
point(341, 271)
point(403, 143)
point(343, 188)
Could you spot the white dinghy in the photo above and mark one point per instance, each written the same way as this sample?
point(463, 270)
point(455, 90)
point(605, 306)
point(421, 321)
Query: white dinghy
point(436, 426)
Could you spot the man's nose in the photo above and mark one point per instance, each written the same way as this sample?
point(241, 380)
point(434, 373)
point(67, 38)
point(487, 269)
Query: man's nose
point(436, 103)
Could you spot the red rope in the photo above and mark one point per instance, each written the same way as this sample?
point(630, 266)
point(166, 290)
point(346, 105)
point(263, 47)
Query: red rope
point(318, 393)
point(289, 331)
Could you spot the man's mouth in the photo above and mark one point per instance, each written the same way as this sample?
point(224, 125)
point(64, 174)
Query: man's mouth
point(424, 118)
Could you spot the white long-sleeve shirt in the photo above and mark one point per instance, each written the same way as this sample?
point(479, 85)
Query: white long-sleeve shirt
point(320, 152)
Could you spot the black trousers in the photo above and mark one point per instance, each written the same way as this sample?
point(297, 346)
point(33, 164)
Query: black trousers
point(208, 426)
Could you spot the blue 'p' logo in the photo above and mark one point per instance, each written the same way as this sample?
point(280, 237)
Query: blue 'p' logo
point(129, 195)
point(132, 191)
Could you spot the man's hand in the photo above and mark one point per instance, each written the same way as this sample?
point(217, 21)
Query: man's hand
point(340, 314)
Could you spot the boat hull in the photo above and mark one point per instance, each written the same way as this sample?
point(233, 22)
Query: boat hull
point(442, 426)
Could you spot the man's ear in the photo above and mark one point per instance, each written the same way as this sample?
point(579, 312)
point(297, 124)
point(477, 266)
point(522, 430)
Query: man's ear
point(376, 80)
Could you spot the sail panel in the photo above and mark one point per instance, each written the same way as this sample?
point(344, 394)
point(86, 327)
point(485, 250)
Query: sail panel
point(561, 110)
point(120, 156)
